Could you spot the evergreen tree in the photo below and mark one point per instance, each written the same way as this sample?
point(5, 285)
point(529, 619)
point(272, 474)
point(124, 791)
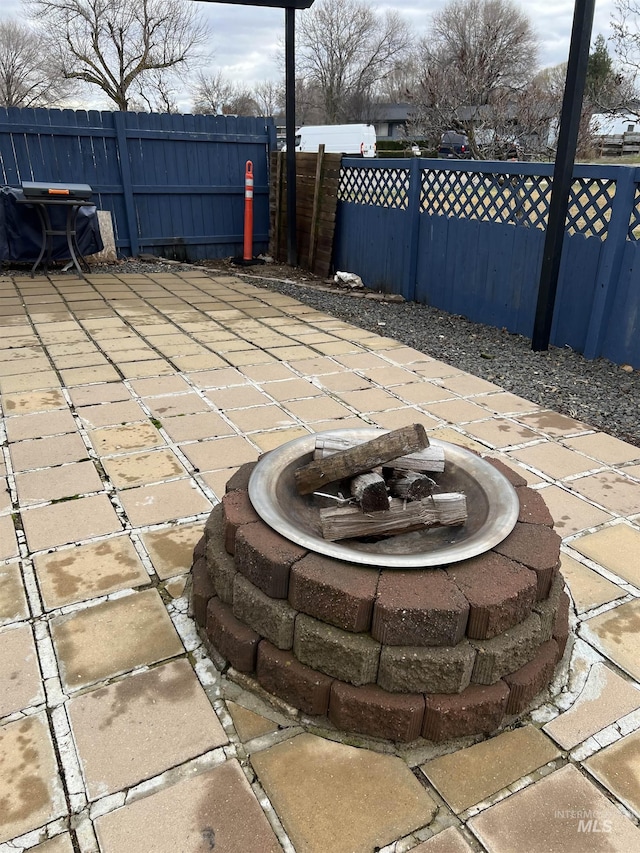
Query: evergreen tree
point(601, 78)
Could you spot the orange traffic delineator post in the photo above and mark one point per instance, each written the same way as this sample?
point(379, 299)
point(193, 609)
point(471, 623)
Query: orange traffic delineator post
point(248, 211)
point(247, 258)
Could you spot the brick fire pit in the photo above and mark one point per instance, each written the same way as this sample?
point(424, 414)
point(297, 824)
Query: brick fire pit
point(438, 653)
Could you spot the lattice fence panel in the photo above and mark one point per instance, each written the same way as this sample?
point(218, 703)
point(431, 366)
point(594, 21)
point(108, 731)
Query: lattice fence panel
point(634, 221)
point(380, 187)
point(589, 210)
point(488, 196)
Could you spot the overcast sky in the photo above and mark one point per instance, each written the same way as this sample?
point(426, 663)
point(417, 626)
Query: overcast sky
point(245, 40)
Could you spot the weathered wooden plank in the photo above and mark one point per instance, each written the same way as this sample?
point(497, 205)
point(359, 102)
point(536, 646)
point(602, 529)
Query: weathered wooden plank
point(430, 458)
point(361, 457)
point(446, 510)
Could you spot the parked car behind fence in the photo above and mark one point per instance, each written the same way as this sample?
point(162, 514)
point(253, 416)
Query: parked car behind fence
point(454, 145)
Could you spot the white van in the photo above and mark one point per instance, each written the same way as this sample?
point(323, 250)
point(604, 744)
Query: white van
point(352, 139)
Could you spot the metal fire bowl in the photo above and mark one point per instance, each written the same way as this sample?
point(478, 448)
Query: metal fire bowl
point(492, 505)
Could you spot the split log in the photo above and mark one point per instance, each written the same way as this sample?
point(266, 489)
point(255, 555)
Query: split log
point(429, 459)
point(449, 509)
point(360, 458)
point(370, 490)
point(410, 485)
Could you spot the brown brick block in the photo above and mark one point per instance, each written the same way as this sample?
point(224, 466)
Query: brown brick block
point(476, 710)
point(548, 609)
point(530, 679)
point(265, 558)
point(433, 669)
point(512, 476)
point(236, 642)
point(272, 618)
point(419, 608)
point(220, 565)
point(508, 652)
point(200, 548)
point(374, 712)
point(201, 591)
point(561, 626)
point(214, 522)
point(349, 657)
point(533, 509)
point(238, 511)
point(537, 547)
point(240, 480)
point(281, 674)
point(335, 592)
point(500, 593)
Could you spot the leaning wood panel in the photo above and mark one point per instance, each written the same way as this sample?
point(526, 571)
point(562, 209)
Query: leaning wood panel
point(316, 200)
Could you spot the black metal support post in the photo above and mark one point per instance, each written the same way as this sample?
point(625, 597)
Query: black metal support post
point(290, 109)
point(563, 171)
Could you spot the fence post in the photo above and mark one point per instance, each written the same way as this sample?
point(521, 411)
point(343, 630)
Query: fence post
point(125, 173)
point(408, 287)
point(611, 260)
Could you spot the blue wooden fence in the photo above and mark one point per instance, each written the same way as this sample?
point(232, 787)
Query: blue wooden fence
point(174, 183)
point(467, 237)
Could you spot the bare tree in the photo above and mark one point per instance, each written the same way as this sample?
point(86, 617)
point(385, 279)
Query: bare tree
point(27, 78)
point(625, 25)
point(476, 57)
point(214, 93)
point(345, 50)
point(115, 44)
point(269, 97)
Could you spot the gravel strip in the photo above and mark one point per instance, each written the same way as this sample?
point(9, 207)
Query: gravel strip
point(599, 393)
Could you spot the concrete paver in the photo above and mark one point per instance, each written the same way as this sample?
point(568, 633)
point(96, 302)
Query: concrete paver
point(31, 790)
point(8, 541)
point(470, 775)
point(447, 841)
point(48, 451)
point(19, 671)
point(39, 424)
point(213, 810)
point(330, 796)
point(612, 489)
point(571, 513)
point(114, 637)
point(171, 549)
point(605, 698)
point(554, 460)
point(137, 469)
point(588, 588)
point(618, 768)
point(163, 502)
point(96, 643)
point(142, 725)
point(248, 724)
point(54, 484)
point(60, 844)
point(562, 813)
point(616, 633)
point(13, 601)
point(88, 571)
point(70, 521)
point(616, 548)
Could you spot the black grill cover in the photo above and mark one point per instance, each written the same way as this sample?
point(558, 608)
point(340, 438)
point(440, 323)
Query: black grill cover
point(21, 232)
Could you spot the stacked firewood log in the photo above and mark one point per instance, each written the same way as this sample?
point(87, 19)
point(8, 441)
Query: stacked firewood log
point(389, 484)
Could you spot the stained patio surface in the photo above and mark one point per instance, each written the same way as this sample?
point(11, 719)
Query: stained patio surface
point(127, 402)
